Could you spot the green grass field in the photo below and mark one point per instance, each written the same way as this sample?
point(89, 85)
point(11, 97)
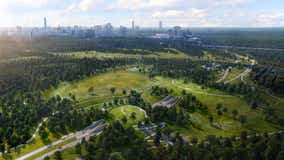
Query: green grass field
point(102, 84)
point(93, 54)
point(233, 73)
point(126, 111)
point(129, 79)
point(226, 125)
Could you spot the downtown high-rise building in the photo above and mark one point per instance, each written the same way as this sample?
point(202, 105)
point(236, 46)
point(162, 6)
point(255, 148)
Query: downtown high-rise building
point(45, 23)
point(133, 25)
point(160, 25)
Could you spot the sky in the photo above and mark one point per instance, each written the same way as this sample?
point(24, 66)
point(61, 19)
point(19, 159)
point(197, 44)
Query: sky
point(145, 13)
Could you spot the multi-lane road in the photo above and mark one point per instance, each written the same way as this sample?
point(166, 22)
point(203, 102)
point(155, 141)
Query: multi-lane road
point(92, 130)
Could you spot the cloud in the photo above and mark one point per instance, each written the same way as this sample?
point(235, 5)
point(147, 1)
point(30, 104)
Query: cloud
point(87, 5)
point(230, 2)
point(167, 14)
point(144, 4)
point(191, 13)
point(269, 19)
point(5, 4)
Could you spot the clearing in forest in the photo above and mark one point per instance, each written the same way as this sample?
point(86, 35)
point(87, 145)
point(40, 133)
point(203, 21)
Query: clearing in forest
point(133, 114)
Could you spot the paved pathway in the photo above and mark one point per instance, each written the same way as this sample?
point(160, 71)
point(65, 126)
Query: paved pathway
point(31, 139)
point(243, 74)
point(37, 130)
point(224, 76)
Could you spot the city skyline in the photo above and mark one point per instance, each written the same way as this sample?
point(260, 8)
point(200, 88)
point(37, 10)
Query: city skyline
point(145, 13)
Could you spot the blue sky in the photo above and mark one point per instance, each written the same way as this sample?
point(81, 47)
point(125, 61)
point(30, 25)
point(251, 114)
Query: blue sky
point(146, 13)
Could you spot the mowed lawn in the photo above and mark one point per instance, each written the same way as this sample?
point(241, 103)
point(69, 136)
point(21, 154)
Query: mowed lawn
point(234, 72)
point(127, 111)
point(95, 54)
point(227, 126)
point(101, 85)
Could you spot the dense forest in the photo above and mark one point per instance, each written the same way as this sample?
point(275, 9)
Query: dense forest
point(260, 38)
point(22, 105)
point(245, 147)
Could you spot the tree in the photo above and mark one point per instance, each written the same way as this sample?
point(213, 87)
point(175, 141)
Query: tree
point(78, 149)
point(157, 137)
point(235, 113)
point(116, 100)
point(112, 90)
point(194, 140)
point(254, 105)
point(91, 89)
point(58, 155)
point(219, 112)
point(210, 117)
point(43, 133)
point(243, 119)
point(225, 109)
point(280, 155)
point(219, 106)
point(244, 135)
point(124, 120)
point(46, 158)
point(121, 101)
point(269, 153)
point(133, 115)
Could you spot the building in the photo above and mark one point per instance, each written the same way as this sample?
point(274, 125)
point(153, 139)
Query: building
point(133, 25)
point(168, 102)
point(98, 30)
point(160, 25)
point(45, 23)
point(161, 36)
point(122, 31)
point(108, 29)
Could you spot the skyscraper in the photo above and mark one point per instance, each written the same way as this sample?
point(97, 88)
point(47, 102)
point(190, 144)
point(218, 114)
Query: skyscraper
point(133, 25)
point(45, 23)
point(160, 25)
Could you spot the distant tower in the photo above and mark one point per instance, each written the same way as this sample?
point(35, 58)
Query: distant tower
point(160, 25)
point(133, 25)
point(45, 23)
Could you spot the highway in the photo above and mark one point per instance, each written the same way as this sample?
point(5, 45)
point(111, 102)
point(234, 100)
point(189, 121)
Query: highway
point(92, 130)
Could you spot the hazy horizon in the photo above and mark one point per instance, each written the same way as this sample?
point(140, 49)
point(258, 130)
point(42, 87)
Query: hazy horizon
point(145, 13)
